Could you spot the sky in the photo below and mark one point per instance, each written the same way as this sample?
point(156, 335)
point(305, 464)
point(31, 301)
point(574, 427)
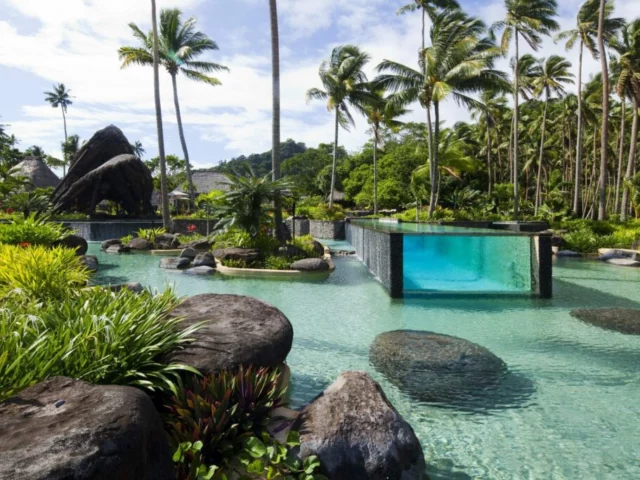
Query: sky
point(75, 42)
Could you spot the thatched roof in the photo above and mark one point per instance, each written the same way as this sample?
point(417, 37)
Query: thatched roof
point(38, 173)
point(205, 182)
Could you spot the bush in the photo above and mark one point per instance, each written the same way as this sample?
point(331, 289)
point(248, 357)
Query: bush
point(274, 262)
point(150, 234)
point(306, 244)
point(126, 239)
point(582, 240)
point(32, 230)
point(322, 212)
point(40, 274)
point(95, 335)
point(232, 237)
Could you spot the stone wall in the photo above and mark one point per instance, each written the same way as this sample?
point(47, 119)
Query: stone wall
point(382, 252)
point(327, 230)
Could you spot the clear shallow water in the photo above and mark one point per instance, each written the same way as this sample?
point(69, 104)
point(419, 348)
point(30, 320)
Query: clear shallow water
point(574, 407)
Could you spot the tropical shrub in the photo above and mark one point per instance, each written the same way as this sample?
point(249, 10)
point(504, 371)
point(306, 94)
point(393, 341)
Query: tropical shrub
point(322, 212)
point(95, 335)
point(150, 234)
point(126, 239)
point(275, 262)
point(305, 243)
point(33, 230)
point(233, 237)
point(582, 240)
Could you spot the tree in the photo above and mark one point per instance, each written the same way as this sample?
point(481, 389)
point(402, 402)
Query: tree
point(379, 114)
point(458, 63)
point(166, 220)
point(70, 148)
point(345, 84)
point(179, 47)
point(60, 97)
point(628, 86)
point(275, 126)
point(604, 134)
point(585, 33)
point(138, 149)
point(529, 19)
point(553, 75)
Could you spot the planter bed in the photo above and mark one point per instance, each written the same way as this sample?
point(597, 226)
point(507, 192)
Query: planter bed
point(265, 273)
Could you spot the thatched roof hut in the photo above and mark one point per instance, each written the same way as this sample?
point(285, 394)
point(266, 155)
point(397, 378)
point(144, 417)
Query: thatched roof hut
point(37, 172)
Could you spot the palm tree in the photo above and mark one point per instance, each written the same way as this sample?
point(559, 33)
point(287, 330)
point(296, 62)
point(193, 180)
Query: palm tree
point(554, 74)
point(604, 133)
point(70, 148)
point(155, 40)
point(585, 33)
point(275, 126)
point(529, 19)
point(345, 84)
point(379, 114)
point(60, 97)
point(179, 46)
point(628, 86)
point(138, 149)
point(458, 63)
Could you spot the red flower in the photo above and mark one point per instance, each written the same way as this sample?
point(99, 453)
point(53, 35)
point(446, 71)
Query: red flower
point(191, 228)
point(24, 244)
point(9, 210)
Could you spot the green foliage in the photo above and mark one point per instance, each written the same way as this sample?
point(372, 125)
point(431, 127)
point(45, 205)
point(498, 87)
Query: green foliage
point(261, 162)
point(232, 237)
point(126, 239)
point(36, 202)
point(33, 230)
point(150, 234)
point(274, 262)
point(94, 335)
point(306, 244)
point(323, 212)
point(588, 236)
point(582, 240)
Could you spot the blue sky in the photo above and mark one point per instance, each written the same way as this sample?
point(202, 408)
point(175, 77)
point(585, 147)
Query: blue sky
point(75, 42)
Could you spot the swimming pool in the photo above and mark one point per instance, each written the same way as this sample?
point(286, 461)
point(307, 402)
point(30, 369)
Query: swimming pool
point(573, 413)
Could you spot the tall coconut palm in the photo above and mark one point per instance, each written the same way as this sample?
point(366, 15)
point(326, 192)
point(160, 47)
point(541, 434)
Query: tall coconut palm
point(60, 97)
point(70, 148)
point(345, 84)
point(380, 113)
point(155, 47)
point(604, 133)
point(458, 63)
point(554, 75)
point(628, 86)
point(138, 149)
point(529, 19)
point(180, 44)
point(275, 126)
point(585, 34)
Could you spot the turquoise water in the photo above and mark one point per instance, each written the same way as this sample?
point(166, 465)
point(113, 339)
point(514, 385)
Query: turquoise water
point(465, 264)
point(572, 410)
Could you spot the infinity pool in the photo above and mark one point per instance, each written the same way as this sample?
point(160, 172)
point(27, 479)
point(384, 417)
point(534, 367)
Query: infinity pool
point(572, 412)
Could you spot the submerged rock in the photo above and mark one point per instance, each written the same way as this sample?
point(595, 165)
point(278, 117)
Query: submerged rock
point(90, 262)
point(237, 331)
point(67, 429)
point(311, 265)
point(74, 242)
point(175, 263)
point(623, 320)
point(358, 435)
point(435, 367)
point(200, 271)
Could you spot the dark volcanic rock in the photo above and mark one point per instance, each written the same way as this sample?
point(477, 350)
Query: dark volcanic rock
point(189, 253)
point(65, 429)
point(74, 242)
point(621, 320)
point(248, 255)
point(311, 265)
point(118, 248)
point(203, 244)
point(91, 262)
point(140, 244)
point(358, 435)
point(175, 263)
point(167, 241)
point(318, 248)
point(238, 331)
point(435, 367)
point(204, 260)
point(108, 243)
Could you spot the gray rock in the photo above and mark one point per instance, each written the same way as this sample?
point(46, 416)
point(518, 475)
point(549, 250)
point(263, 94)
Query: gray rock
point(248, 255)
point(140, 244)
point(358, 435)
point(74, 242)
point(311, 265)
point(200, 271)
point(90, 261)
point(204, 260)
point(134, 287)
point(318, 248)
point(568, 254)
point(189, 253)
point(175, 263)
point(118, 248)
point(66, 429)
point(237, 331)
point(435, 367)
point(108, 243)
point(167, 241)
point(623, 320)
point(203, 244)
point(623, 262)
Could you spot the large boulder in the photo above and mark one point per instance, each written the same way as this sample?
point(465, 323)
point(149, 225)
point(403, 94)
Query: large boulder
point(139, 243)
point(74, 242)
point(66, 429)
point(318, 248)
point(202, 244)
point(189, 253)
point(237, 331)
point(623, 320)
point(247, 255)
point(311, 265)
point(204, 260)
point(358, 435)
point(167, 241)
point(435, 367)
point(90, 262)
point(175, 263)
point(111, 242)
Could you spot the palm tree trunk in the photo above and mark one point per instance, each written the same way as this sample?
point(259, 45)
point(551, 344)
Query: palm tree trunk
point(335, 160)
point(64, 121)
point(431, 170)
point(375, 170)
point(489, 154)
point(516, 94)
point(605, 115)
point(620, 155)
point(631, 162)
point(433, 200)
point(541, 158)
point(166, 220)
point(183, 142)
point(577, 207)
point(275, 128)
